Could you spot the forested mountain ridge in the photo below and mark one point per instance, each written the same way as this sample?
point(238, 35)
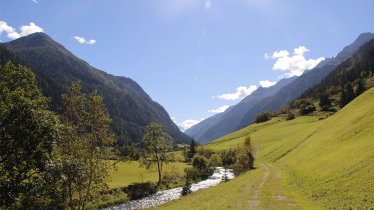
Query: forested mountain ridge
point(304, 82)
point(129, 106)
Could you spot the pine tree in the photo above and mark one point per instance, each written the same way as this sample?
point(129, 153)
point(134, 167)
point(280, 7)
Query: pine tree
point(324, 101)
point(360, 87)
point(192, 149)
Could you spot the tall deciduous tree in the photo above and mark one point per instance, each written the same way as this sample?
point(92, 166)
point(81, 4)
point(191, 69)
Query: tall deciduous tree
point(84, 148)
point(157, 144)
point(27, 133)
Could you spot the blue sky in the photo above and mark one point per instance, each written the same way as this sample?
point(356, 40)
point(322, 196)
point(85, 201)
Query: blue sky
point(194, 57)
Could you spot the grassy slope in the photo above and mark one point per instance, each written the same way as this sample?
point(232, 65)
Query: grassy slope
point(127, 173)
point(329, 162)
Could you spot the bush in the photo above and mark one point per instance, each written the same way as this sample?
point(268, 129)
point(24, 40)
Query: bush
point(205, 152)
point(263, 117)
point(228, 157)
point(140, 190)
point(290, 116)
point(171, 177)
point(186, 189)
point(307, 110)
point(192, 174)
point(200, 162)
point(215, 160)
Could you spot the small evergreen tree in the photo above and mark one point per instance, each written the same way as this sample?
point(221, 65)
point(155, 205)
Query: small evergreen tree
point(324, 101)
point(360, 87)
point(192, 149)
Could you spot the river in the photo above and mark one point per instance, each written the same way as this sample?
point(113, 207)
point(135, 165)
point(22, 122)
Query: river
point(165, 196)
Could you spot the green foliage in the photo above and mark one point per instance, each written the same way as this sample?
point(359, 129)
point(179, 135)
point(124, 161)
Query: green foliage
point(200, 162)
point(140, 190)
point(324, 101)
point(191, 150)
point(360, 87)
point(262, 117)
point(347, 95)
point(205, 152)
point(186, 189)
point(157, 144)
point(27, 132)
point(215, 160)
point(290, 116)
point(80, 155)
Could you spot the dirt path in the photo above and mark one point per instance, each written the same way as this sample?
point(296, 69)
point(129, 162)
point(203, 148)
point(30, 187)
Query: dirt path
point(253, 203)
point(269, 193)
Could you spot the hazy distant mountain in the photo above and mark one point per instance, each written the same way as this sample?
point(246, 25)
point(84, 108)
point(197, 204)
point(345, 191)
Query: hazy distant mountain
point(56, 68)
point(263, 99)
point(227, 122)
point(304, 82)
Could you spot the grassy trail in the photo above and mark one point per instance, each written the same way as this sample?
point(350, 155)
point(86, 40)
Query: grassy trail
point(270, 193)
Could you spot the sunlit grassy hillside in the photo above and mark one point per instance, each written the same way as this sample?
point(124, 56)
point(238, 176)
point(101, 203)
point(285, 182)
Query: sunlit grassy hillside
point(326, 163)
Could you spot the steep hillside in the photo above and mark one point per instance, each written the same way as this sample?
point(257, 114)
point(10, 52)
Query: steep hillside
point(330, 161)
point(304, 82)
point(56, 68)
point(227, 122)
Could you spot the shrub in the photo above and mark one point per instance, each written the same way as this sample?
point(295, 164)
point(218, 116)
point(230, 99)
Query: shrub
point(205, 152)
point(262, 117)
point(290, 116)
point(171, 177)
point(307, 110)
point(140, 190)
point(200, 162)
point(186, 189)
point(228, 157)
point(215, 160)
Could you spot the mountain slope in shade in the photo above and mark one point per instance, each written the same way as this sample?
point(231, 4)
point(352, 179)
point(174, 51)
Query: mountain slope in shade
point(304, 82)
point(226, 122)
point(130, 108)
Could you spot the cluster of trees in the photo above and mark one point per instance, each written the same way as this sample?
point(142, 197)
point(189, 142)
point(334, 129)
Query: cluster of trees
point(264, 116)
point(47, 160)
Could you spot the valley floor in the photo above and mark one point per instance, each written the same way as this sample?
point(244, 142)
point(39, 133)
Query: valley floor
point(262, 188)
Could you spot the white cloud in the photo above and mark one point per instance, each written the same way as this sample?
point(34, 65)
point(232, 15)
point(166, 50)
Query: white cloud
point(35, 1)
point(24, 30)
point(240, 93)
point(188, 124)
point(267, 83)
point(219, 109)
point(83, 40)
point(295, 64)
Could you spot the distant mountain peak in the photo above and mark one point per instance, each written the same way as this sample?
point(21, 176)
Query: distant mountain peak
point(38, 39)
point(349, 50)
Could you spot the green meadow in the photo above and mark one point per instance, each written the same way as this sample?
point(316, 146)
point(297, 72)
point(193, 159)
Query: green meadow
point(125, 173)
point(311, 162)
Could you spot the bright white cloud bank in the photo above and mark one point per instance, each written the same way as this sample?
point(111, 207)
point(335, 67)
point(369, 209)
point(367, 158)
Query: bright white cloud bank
point(83, 40)
point(240, 93)
point(219, 109)
point(23, 30)
point(188, 124)
point(295, 64)
point(267, 83)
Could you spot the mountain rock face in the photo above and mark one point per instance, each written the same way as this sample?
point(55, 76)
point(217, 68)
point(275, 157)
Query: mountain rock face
point(227, 122)
point(272, 98)
point(130, 108)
